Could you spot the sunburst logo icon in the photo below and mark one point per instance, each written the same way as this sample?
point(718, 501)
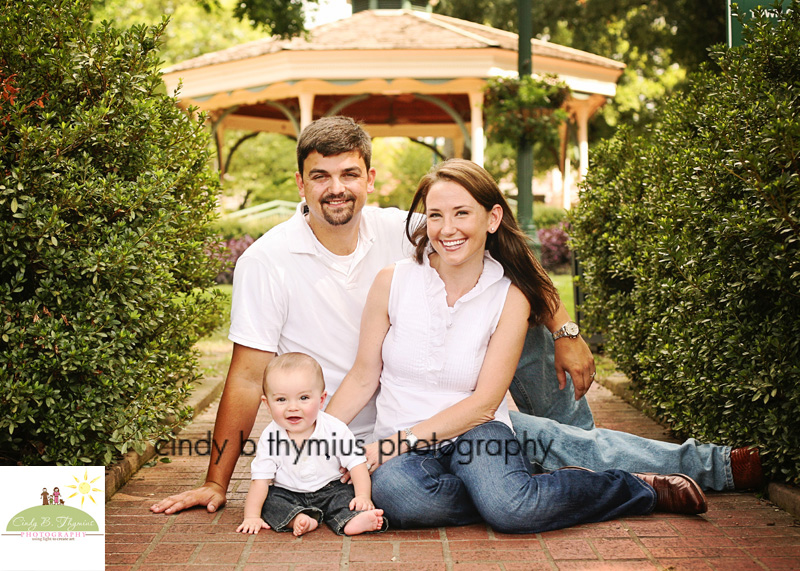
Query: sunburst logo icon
point(84, 488)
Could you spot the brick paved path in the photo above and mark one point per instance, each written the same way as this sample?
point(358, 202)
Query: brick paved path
point(738, 532)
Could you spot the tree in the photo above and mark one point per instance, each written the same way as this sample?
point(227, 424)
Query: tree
point(400, 163)
point(659, 40)
point(106, 199)
point(283, 18)
point(260, 169)
point(192, 30)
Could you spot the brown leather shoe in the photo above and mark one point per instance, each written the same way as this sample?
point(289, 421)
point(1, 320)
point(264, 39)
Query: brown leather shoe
point(746, 468)
point(676, 493)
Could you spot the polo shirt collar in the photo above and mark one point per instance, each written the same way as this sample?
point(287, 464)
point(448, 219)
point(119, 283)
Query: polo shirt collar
point(303, 241)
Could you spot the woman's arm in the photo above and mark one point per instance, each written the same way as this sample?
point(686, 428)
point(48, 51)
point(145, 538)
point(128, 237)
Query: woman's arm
point(497, 371)
point(362, 381)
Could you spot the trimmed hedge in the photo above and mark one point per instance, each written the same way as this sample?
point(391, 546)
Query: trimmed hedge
point(105, 206)
point(690, 241)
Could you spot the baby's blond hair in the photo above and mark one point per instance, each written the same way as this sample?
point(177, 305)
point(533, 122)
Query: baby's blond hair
point(291, 362)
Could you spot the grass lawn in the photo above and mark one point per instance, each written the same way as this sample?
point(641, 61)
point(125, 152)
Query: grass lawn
point(563, 283)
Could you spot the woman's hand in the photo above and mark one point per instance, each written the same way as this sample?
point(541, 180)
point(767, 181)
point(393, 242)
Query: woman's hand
point(380, 452)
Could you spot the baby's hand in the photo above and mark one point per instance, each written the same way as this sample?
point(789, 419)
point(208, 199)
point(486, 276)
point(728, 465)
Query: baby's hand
point(360, 503)
point(252, 525)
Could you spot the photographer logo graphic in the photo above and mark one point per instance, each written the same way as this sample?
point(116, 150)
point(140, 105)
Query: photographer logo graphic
point(55, 518)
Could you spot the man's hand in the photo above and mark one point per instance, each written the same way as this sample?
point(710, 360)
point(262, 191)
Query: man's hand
point(360, 503)
point(573, 356)
point(210, 495)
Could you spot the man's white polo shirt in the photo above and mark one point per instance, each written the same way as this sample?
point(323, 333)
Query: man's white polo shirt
point(289, 296)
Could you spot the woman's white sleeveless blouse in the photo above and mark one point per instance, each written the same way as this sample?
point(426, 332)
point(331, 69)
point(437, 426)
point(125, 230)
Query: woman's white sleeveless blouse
point(433, 353)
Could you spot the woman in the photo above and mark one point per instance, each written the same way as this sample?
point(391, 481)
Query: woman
point(442, 334)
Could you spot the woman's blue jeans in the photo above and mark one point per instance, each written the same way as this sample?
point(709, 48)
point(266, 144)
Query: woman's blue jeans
point(484, 476)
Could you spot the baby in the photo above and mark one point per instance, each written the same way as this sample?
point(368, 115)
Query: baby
point(300, 452)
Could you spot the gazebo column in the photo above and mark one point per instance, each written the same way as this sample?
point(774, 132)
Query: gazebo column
point(306, 109)
point(476, 123)
point(219, 140)
point(582, 113)
point(218, 132)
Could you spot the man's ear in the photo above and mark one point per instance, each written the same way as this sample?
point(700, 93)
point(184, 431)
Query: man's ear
point(298, 178)
point(371, 173)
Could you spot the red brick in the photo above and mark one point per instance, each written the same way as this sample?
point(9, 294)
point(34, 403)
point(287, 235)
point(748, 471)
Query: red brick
point(421, 551)
point(171, 553)
point(371, 551)
point(618, 549)
point(642, 565)
point(570, 549)
point(218, 553)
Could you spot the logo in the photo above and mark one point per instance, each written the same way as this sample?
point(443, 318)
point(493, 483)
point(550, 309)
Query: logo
point(53, 516)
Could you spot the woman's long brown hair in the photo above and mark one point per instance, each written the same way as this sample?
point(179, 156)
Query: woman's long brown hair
point(508, 245)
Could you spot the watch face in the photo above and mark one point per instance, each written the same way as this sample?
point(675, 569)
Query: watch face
point(572, 329)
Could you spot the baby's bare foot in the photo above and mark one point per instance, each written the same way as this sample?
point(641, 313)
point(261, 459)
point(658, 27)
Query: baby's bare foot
point(303, 523)
point(371, 520)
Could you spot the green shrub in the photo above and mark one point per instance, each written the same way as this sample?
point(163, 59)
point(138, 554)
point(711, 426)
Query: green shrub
point(690, 241)
point(106, 201)
point(545, 216)
point(229, 228)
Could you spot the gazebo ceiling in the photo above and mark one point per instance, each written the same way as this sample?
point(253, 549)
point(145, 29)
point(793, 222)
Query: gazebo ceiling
point(400, 109)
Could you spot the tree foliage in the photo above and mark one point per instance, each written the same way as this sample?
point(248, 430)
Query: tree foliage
point(261, 169)
point(659, 41)
point(283, 18)
point(690, 241)
point(105, 205)
point(400, 164)
point(192, 30)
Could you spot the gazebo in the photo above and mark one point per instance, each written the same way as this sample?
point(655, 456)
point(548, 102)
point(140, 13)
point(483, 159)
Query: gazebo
point(402, 72)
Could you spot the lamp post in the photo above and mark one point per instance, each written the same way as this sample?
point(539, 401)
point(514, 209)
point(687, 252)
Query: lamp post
point(525, 146)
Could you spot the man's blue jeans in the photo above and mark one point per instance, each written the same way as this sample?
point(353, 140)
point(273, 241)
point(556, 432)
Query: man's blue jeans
point(550, 445)
point(535, 385)
point(484, 476)
point(553, 437)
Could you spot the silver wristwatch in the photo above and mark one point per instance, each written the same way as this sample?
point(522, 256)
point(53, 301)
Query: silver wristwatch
point(569, 329)
point(411, 438)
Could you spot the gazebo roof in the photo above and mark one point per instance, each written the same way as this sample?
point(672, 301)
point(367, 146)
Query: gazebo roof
point(395, 30)
point(401, 72)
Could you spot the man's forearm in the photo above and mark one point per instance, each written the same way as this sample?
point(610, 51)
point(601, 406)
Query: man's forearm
point(236, 416)
point(558, 319)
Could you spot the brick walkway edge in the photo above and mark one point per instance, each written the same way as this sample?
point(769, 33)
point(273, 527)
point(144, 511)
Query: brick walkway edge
point(740, 530)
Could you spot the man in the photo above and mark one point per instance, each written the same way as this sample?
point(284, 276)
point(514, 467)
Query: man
point(301, 287)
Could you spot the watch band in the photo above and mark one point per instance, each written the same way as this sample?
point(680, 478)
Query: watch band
point(411, 438)
point(569, 329)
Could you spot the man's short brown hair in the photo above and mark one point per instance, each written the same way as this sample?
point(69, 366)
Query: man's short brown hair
point(331, 136)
